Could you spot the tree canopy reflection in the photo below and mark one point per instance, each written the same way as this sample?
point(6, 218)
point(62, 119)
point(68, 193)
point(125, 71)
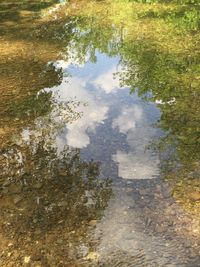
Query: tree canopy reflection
point(45, 192)
point(159, 58)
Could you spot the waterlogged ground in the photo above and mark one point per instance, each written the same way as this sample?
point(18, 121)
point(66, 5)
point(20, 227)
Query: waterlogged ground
point(99, 134)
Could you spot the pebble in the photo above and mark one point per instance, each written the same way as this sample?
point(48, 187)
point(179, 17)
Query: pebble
point(195, 195)
point(38, 185)
point(6, 183)
point(5, 191)
point(27, 259)
point(9, 254)
point(148, 222)
point(159, 229)
point(62, 203)
point(36, 257)
point(83, 251)
point(90, 202)
point(15, 188)
point(92, 256)
point(143, 192)
point(92, 222)
point(17, 199)
point(60, 241)
point(166, 193)
point(38, 232)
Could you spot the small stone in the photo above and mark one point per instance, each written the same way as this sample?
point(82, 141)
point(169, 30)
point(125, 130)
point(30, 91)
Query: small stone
point(6, 183)
point(5, 191)
point(38, 232)
point(195, 196)
point(36, 257)
point(92, 222)
point(38, 185)
point(92, 256)
point(195, 231)
point(63, 173)
point(62, 203)
point(60, 241)
point(27, 259)
point(166, 193)
point(159, 229)
point(158, 187)
point(17, 199)
point(158, 195)
point(83, 251)
point(2, 131)
point(28, 239)
point(148, 222)
point(15, 188)
point(73, 232)
point(143, 192)
point(90, 202)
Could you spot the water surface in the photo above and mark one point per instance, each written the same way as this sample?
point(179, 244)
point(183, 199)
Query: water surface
point(99, 135)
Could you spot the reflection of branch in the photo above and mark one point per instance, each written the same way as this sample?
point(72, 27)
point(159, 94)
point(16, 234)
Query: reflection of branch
point(50, 125)
point(51, 190)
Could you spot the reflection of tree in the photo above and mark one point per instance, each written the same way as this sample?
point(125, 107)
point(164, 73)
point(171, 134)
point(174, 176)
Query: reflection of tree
point(90, 33)
point(14, 11)
point(170, 82)
point(170, 77)
point(47, 192)
point(26, 50)
point(156, 64)
point(53, 179)
point(33, 104)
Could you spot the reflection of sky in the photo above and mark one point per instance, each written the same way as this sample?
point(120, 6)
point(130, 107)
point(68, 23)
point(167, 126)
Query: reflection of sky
point(138, 162)
point(108, 116)
point(107, 81)
point(128, 118)
point(93, 112)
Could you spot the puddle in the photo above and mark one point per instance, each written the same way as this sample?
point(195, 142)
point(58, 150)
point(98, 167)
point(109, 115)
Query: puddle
point(99, 135)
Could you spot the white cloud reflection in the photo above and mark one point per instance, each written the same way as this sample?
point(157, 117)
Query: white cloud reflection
point(108, 81)
point(128, 118)
point(138, 163)
point(93, 113)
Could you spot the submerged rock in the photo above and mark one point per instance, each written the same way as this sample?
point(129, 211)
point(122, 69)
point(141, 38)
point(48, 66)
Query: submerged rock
point(15, 188)
point(37, 185)
point(195, 196)
point(17, 199)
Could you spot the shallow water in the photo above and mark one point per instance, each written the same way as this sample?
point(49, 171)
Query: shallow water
point(99, 138)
